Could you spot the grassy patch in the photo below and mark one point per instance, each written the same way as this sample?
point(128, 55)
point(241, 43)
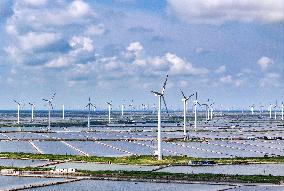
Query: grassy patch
point(143, 160)
point(187, 177)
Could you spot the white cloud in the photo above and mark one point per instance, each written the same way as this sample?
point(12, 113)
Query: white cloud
point(95, 30)
point(37, 40)
point(221, 69)
point(81, 43)
point(270, 79)
point(264, 62)
point(180, 66)
point(78, 8)
point(135, 48)
point(230, 80)
point(35, 2)
point(58, 62)
point(220, 11)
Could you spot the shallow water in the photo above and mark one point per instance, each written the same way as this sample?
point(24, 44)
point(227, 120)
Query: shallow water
point(252, 169)
point(14, 181)
point(21, 163)
point(102, 167)
point(87, 185)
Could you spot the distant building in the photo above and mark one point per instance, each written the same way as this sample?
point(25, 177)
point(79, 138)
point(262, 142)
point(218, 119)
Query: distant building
point(63, 170)
point(9, 172)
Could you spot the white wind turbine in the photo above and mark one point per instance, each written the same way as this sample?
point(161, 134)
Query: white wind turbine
point(195, 110)
point(160, 98)
point(50, 106)
point(109, 108)
point(275, 110)
point(63, 115)
point(270, 111)
point(32, 107)
point(211, 110)
point(206, 111)
point(89, 105)
point(261, 109)
point(19, 105)
point(282, 111)
point(252, 109)
point(184, 100)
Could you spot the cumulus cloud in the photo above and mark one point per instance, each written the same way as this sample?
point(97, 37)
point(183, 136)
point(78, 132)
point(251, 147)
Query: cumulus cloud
point(37, 40)
point(220, 11)
point(270, 79)
point(50, 33)
point(95, 30)
point(134, 48)
point(82, 43)
point(264, 62)
point(60, 62)
point(221, 69)
point(78, 8)
point(180, 66)
point(228, 79)
point(34, 2)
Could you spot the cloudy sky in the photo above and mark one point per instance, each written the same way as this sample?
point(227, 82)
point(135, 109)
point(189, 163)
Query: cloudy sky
point(229, 51)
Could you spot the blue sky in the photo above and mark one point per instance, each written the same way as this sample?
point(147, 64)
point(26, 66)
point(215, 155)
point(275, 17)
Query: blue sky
point(229, 51)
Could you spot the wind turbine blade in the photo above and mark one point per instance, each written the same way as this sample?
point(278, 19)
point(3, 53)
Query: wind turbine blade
point(165, 104)
point(183, 94)
point(52, 97)
point(190, 96)
point(165, 83)
point(17, 102)
point(45, 100)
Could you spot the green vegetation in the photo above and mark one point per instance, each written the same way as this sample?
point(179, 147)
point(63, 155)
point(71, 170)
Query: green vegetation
point(143, 160)
point(187, 177)
point(165, 176)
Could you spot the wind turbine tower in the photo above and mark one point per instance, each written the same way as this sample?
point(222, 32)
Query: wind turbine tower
point(50, 106)
point(195, 111)
point(275, 110)
point(63, 116)
point(185, 99)
point(270, 111)
point(89, 105)
point(19, 105)
point(33, 107)
point(109, 108)
point(160, 96)
point(282, 111)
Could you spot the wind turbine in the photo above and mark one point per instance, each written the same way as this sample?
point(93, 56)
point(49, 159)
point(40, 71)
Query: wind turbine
point(109, 108)
point(131, 105)
point(261, 109)
point(206, 110)
point(33, 107)
point(211, 110)
point(18, 104)
point(282, 111)
point(50, 106)
point(89, 105)
point(275, 110)
point(270, 111)
point(195, 111)
point(185, 99)
point(63, 116)
point(160, 96)
point(252, 109)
